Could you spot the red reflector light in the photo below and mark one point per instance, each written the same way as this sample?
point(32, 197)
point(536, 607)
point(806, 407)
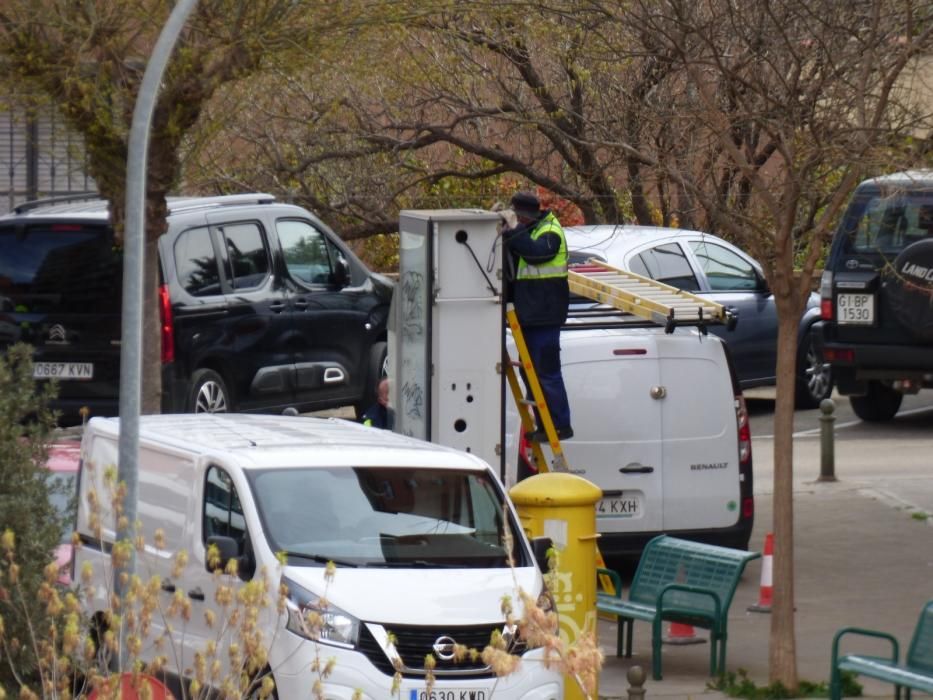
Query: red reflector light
point(748, 507)
point(630, 351)
point(838, 355)
point(66, 227)
point(826, 309)
point(525, 453)
point(167, 324)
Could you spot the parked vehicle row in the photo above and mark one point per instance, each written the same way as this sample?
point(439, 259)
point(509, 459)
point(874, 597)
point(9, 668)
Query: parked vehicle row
point(262, 306)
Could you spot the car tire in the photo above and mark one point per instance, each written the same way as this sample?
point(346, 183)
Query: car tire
point(814, 377)
point(208, 393)
point(376, 370)
point(878, 405)
point(909, 289)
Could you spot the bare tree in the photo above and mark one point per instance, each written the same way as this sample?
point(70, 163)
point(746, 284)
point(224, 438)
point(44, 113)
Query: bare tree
point(88, 59)
point(787, 104)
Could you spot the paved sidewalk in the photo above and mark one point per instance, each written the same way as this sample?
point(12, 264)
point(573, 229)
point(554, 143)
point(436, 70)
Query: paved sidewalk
point(858, 562)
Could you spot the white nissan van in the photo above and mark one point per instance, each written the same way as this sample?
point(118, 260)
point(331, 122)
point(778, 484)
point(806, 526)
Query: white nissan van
point(420, 535)
point(660, 426)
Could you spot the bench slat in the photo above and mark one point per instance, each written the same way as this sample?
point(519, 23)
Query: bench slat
point(916, 672)
point(884, 670)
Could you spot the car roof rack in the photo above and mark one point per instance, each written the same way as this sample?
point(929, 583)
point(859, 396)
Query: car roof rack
point(179, 204)
point(58, 199)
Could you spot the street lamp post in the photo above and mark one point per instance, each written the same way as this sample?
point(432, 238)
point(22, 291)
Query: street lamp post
point(133, 267)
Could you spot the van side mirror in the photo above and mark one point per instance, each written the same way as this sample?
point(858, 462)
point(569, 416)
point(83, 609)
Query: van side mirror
point(540, 546)
point(228, 550)
point(341, 274)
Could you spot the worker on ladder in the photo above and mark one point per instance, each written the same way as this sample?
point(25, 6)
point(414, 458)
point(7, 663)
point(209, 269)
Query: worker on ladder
point(539, 290)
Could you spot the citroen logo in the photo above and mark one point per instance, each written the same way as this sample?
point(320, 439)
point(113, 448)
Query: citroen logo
point(444, 648)
point(57, 334)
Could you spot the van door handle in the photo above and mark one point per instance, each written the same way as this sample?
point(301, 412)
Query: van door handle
point(196, 594)
point(277, 307)
point(636, 468)
point(168, 586)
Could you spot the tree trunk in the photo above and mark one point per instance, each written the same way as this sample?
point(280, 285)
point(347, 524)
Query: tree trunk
point(783, 653)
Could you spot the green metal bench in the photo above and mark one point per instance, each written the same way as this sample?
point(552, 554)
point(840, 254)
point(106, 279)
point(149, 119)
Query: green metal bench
point(678, 581)
point(916, 673)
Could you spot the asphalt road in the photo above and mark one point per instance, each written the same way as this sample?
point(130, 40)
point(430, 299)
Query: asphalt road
point(890, 461)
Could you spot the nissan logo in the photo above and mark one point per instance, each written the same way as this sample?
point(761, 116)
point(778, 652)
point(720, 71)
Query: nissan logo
point(444, 648)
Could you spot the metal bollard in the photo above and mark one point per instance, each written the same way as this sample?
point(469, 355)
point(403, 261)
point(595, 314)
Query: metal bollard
point(636, 678)
point(827, 448)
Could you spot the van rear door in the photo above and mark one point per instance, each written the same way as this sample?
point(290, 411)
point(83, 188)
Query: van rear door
point(60, 291)
point(617, 443)
point(699, 433)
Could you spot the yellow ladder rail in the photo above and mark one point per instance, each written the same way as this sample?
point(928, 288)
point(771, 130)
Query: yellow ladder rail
point(528, 423)
point(537, 393)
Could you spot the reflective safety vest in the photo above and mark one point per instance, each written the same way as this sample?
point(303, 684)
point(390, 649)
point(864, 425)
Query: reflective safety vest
point(557, 266)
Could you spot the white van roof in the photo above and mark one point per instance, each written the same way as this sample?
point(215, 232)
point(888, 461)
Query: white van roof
point(261, 441)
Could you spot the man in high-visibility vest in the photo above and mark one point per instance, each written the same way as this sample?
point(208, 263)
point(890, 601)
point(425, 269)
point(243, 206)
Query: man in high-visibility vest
point(539, 290)
point(379, 415)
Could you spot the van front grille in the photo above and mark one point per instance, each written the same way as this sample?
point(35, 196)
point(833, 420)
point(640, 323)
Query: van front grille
point(414, 644)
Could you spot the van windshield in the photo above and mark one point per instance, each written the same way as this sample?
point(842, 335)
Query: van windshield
point(386, 516)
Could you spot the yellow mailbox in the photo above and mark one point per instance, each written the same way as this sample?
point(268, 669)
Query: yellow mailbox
point(561, 506)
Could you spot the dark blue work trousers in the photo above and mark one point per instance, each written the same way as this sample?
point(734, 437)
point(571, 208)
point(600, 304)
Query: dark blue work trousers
point(544, 349)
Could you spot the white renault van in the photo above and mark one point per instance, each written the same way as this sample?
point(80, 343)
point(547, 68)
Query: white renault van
point(420, 535)
point(660, 426)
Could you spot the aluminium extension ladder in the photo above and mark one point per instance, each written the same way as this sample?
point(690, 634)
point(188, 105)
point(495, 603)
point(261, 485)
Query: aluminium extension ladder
point(641, 296)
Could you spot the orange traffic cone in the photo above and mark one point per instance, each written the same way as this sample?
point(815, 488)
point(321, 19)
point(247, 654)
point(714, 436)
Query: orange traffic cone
point(765, 591)
point(680, 633)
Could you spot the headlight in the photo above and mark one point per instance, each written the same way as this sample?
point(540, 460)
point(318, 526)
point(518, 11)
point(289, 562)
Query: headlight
point(307, 618)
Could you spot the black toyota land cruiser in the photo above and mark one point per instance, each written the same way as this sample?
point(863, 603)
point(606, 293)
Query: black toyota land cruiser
point(263, 307)
point(877, 294)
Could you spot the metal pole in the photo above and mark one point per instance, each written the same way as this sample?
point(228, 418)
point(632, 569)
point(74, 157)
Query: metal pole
point(133, 268)
point(827, 448)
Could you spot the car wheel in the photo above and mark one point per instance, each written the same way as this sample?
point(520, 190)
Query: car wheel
point(879, 404)
point(814, 377)
point(208, 393)
point(377, 369)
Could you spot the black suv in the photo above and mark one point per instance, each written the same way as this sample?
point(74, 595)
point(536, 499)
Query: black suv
point(877, 294)
point(263, 307)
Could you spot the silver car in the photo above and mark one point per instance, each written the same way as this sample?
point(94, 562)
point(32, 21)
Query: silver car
point(711, 267)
